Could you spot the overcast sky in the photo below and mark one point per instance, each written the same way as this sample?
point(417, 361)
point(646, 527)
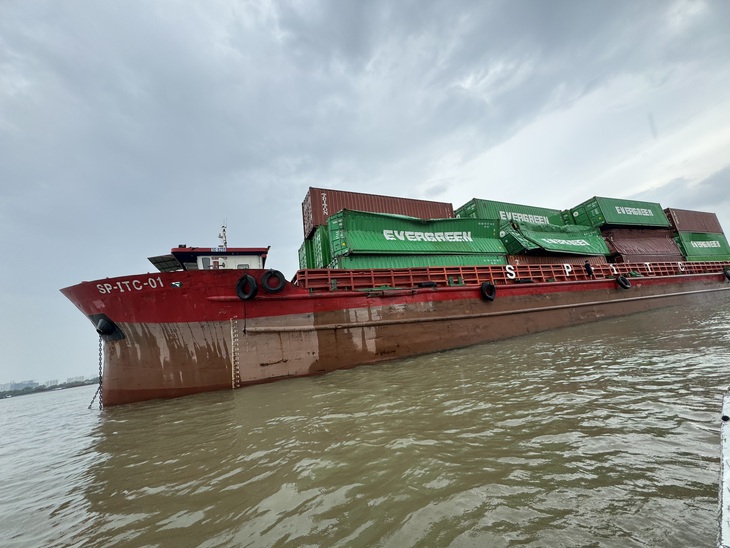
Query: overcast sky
point(127, 128)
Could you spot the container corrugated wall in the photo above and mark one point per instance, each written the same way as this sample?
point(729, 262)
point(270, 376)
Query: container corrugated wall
point(321, 247)
point(373, 233)
point(306, 255)
point(503, 211)
point(702, 246)
point(685, 220)
point(611, 211)
point(320, 203)
point(638, 245)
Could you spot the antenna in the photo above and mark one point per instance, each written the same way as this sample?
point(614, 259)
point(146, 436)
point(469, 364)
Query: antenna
point(222, 236)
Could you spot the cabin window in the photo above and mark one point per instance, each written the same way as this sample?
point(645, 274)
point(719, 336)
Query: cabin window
point(242, 265)
point(205, 261)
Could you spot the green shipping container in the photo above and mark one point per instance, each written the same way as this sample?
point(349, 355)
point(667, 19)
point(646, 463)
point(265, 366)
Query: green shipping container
point(321, 252)
point(306, 258)
point(702, 246)
point(362, 232)
point(572, 239)
point(502, 211)
point(513, 240)
point(416, 261)
point(610, 211)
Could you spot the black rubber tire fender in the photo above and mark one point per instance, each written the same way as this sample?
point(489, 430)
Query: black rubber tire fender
point(278, 284)
point(246, 288)
point(623, 282)
point(488, 291)
point(726, 271)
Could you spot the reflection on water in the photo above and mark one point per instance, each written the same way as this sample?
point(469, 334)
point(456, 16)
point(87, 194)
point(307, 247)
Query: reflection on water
point(604, 435)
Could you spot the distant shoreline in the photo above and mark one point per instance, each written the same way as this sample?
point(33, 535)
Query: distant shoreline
point(43, 388)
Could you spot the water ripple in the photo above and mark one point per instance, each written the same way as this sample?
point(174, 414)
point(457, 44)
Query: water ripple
point(603, 435)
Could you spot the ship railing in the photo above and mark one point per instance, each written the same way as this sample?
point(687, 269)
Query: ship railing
point(454, 276)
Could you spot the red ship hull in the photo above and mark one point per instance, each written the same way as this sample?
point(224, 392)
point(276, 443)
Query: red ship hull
point(172, 334)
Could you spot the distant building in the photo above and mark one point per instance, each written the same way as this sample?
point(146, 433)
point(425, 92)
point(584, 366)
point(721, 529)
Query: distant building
point(54, 382)
point(22, 385)
point(75, 379)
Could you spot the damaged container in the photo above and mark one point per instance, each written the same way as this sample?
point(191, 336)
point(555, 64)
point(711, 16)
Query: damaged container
point(640, 245)
point(702, 246)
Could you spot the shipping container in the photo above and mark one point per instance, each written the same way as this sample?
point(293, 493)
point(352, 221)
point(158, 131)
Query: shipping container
point(378, 233)
point(320, 203)
point(702, 246)
point(305, 255)
point(503, 211)
point(611, 211)
point(639, 245)
point(685, 220)
point(416, 261)
point(566, 217)
point(571, 239)
point(321, 250)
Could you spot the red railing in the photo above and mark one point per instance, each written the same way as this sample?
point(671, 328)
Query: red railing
point(335, 279)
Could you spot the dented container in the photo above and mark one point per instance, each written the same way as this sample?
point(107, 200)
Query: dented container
point(320, 203)
point(570, 239)
point(638, 245)
point(503, 211)
point(377, 233)
point(685, 220)
point(611, 211)
point(702, 246)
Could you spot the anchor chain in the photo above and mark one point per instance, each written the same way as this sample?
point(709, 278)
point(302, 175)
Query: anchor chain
point(98, 390)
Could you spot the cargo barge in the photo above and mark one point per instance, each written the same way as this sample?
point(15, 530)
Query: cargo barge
point(218, 318)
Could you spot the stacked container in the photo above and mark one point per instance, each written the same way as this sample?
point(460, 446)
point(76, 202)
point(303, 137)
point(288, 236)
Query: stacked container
point(503, 211)
point(685, 220)
point(635, 231)
point(527, 230)
point(306, 255)
point(699, 235)
point(320, 203)
point(611, 211)
point(360, 239)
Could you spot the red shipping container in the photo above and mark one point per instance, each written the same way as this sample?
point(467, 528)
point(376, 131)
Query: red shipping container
point(684, 220)
point(631, 245)
point(320, 203)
